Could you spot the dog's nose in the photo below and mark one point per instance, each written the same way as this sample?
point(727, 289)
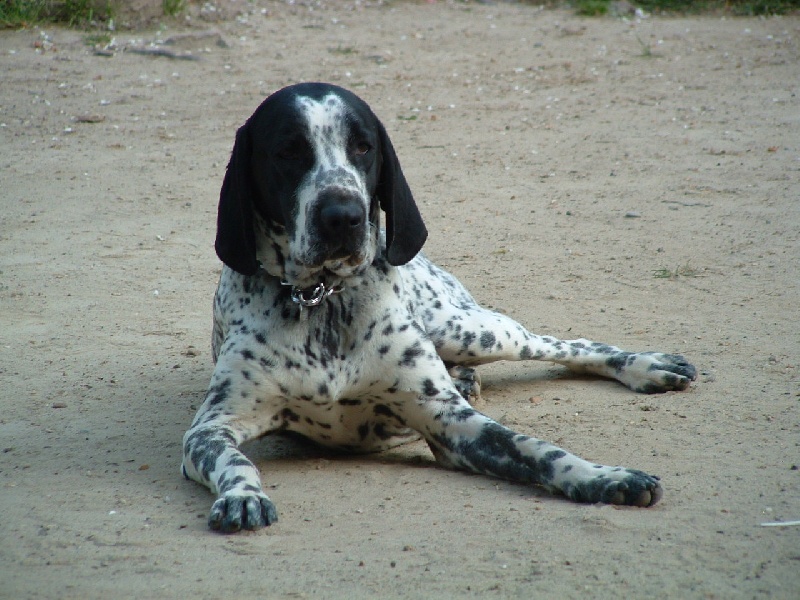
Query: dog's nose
point(341, 216)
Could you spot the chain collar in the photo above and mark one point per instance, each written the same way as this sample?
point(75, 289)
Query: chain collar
point(312, 296)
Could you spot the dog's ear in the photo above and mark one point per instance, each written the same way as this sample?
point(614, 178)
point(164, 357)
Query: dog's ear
point(405, 230)
point(236, 242)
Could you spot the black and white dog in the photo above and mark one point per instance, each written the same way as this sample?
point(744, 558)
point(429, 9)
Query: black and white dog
point(326, 326)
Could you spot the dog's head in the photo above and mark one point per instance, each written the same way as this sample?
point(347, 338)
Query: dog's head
point(309, 173)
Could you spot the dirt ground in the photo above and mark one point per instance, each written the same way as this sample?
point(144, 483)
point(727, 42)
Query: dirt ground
point(629, 181)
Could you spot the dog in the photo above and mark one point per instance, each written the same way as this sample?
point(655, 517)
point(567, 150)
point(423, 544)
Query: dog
point(331, 327)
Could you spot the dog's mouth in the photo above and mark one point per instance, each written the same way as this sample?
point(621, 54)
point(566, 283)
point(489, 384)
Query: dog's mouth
point(341, 263)
point(342, 255)
point(312, 271)
point(348, 252)
point(324, 261)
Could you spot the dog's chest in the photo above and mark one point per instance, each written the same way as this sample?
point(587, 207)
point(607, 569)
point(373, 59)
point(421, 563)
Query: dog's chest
point(350, 345)
point(333, 372)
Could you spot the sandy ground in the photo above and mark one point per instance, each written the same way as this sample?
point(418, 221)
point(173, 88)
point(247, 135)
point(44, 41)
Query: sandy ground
point(633, 182)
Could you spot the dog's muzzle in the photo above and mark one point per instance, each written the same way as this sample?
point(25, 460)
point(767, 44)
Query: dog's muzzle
point(341, 224)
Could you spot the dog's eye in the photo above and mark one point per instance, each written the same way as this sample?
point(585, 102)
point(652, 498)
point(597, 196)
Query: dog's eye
point(292, 151)
point(362, 148)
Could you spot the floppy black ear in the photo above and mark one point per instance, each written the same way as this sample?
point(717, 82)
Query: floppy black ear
point(236, 242)
point(405, 231)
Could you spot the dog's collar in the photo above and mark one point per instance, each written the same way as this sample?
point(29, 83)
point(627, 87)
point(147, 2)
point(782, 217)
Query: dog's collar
point(309, 296)
point(312, 296)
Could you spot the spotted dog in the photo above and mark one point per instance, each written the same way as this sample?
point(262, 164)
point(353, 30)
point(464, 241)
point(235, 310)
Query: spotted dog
point(328, 326)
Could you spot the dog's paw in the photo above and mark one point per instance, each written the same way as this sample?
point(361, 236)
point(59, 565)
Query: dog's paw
point(624, 486)
point(467, 381)
point(239, 510)
point(652, 372)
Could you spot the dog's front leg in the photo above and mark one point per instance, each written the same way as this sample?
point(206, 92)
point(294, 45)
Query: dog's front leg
point(211, 455)
point(462, 437)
